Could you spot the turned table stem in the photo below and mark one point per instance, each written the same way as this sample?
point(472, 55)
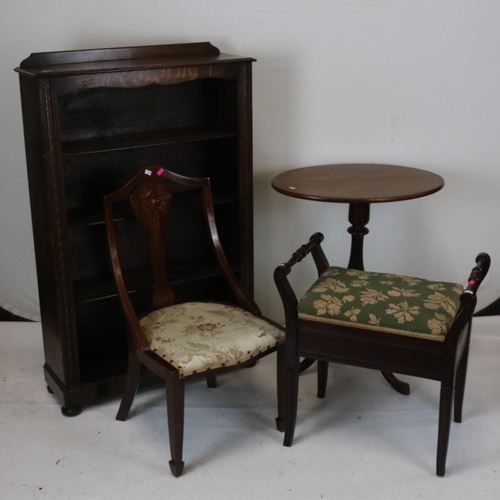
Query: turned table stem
point(359, 216)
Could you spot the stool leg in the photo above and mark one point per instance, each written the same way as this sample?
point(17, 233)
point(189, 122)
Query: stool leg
point(322, 378)
point(281, 378)
point(461, 377)
point(291, 398)
point(445, 405)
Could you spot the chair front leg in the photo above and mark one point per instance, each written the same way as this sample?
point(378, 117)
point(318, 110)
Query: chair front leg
point(175, 415)
point(131, 386)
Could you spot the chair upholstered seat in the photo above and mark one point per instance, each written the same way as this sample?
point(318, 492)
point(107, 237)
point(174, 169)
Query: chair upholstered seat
point(389, 303)
point(199, 336)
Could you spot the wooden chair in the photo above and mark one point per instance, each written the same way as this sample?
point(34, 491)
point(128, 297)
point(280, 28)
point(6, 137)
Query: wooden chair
point(188, 340)
point(382, 321)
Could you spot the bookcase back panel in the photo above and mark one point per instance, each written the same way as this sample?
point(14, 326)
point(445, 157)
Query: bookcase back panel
point(186, 239)
point(88, 178)
point(105, 112)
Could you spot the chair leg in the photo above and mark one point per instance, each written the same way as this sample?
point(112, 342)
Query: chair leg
point(445, 405)
point(461, 377)
point(131, 386)
point(281, 377)
point(291, 399)
point(175, 415)
point(211, 381)
point(322, 378)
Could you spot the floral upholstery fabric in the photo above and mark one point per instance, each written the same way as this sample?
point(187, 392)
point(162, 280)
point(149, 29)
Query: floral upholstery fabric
point(197, 336)
point(383, 302)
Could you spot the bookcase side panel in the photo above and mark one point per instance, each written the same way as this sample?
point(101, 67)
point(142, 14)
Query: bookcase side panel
point(245, 173)
point(49, 230)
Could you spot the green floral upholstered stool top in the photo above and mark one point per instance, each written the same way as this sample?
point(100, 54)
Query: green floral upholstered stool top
point(382, 302)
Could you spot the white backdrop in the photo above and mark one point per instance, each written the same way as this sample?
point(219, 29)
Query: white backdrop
point(412, 82)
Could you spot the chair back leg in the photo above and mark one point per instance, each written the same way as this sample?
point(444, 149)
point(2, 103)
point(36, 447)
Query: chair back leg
point(131, 386)
point(212, 382)
point(175, 415)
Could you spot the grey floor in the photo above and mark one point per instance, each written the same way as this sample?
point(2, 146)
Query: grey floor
point(362, 441)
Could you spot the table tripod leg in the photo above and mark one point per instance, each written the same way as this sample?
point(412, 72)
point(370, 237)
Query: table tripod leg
point(398, 385)
point(305, 364)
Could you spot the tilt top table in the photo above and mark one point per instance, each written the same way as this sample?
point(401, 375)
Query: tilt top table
point(358, 184)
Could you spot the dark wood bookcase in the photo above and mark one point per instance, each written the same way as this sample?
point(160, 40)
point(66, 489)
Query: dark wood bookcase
point(92, 118)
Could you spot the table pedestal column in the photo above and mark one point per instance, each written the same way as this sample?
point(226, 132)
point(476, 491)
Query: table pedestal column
point(359, 216)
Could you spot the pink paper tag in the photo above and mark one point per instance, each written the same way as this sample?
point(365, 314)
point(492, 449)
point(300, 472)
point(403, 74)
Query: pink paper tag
point(160, 171)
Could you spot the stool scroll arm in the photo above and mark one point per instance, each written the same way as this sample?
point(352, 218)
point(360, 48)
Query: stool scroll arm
point(281, 272)
point(468, 299)
point(479, 272)
point(290, 302)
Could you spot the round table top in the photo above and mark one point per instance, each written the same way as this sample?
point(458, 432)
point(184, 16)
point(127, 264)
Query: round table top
point(357, 183)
